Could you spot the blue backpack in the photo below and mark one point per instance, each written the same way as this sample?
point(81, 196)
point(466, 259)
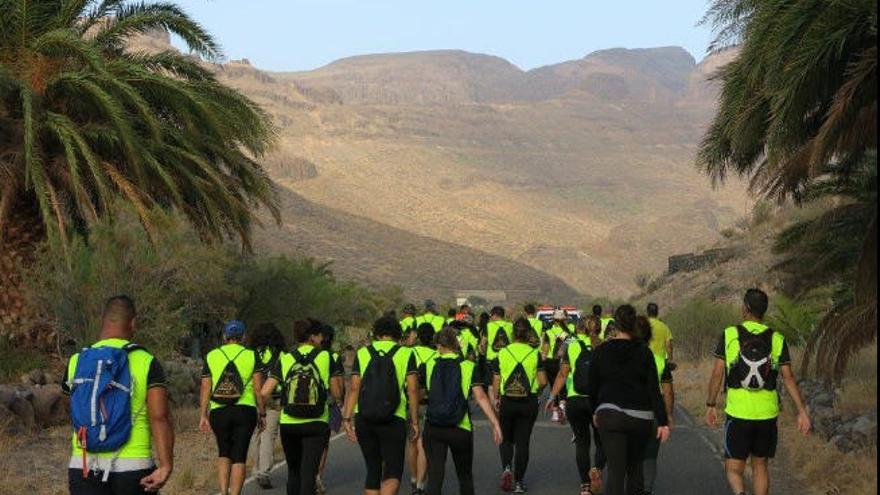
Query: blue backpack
point(100, 398)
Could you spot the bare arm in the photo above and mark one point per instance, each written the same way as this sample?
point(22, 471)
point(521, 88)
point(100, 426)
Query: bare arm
point(412, 392)
point(348, 409)
point(714, 387)
point(205, 397)
point(337, 388)
point(542, 379)
point(669, 349)
point(483, 401)
point(257, 378)
point(803, 419)
point(494, 390)
point(564, 370)
point(267, 389)
point(163, 438)
point(668, 400)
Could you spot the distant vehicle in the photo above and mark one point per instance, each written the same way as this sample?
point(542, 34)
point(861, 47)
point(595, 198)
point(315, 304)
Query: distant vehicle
point(545, 314)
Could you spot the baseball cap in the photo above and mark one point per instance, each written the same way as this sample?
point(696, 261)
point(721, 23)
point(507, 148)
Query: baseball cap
point(234, 328)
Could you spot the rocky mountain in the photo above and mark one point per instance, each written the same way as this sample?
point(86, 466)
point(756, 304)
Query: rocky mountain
point(581, 170)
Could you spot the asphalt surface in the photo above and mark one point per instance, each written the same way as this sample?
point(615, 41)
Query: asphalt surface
point(688, 464)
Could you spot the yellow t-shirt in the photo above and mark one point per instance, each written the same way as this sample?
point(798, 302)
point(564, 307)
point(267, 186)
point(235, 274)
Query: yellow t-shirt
point(660, 335)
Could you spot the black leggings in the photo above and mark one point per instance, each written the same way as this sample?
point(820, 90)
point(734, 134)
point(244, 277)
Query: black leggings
point(383, 446)
point(580, 417)
point(233, 427)
point(437, 442)
point(650, 464)
point(518, 418)
point(624, 439)
point(303, 445)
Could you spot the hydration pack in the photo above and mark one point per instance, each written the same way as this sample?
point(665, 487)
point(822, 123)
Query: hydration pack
point(229, 387)
point(100, 398)
point(447, 405)
point(379, 396)
point(304, 394)
point(753, 367)
point(582, 368)
point(518, 385)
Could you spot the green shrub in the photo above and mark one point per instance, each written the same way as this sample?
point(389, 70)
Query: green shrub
point(174, 280)
point(762, 212)
point(697, 325)
point(795, 319)
point(15, 361)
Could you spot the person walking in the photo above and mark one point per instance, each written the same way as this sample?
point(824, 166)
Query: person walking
point(751, 357)
point(417, 461)
point(467, 337)
point(375, 412)
point(115, 457)
point(451, 379)
point(304, 375)
point(229, 406)
point(268, 342)
point(517, 377)
point(622, 383)
point(644, 331)
point(551, 347)
point(337, 379)
point(573, 373)
point(661, 335)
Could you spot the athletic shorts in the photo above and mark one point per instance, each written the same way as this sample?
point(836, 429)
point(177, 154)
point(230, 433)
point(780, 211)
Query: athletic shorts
point(744, 438)
point(233, 427)
point(126, 483)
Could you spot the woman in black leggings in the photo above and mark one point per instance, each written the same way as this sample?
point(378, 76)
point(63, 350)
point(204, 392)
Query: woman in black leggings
point(304, 425)
point(625, 389)
point(443, 432)
point(517, 375)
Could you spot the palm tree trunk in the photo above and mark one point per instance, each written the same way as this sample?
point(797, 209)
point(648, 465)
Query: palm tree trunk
point(21, 229)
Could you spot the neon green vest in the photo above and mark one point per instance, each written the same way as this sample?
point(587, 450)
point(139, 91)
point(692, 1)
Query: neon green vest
point(322, 363)
point(492, 331)
point(573, 351)
point(468, 343)
point(401, 360)
point(246, 365)
point(517, 352)
point(751, 404)
point(139, 445)
point(467, 372)
point(553, 335)
point(538, 327)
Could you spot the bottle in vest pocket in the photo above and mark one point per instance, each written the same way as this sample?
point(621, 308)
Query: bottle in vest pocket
point(379, 396)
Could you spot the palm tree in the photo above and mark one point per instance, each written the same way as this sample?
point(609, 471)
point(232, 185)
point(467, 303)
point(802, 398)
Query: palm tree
point(86, 123)
point(799, 102)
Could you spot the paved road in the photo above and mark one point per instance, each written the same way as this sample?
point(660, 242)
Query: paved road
point(688, 464)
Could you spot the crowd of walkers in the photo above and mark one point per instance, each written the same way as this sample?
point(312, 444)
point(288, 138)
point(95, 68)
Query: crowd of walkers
point(408, 397)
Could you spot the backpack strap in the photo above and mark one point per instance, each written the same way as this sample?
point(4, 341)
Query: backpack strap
point(131, 347)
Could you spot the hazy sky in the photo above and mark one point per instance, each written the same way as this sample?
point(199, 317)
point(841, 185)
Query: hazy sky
point(305, 34)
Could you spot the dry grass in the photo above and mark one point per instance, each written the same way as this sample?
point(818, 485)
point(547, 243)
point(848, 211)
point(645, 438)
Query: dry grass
point(810, 461)
point(35, 463)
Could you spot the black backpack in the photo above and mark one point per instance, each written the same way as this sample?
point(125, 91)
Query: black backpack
point(518, 385)
point(582, 368)
point(501, 340)
point(380, 390)
point(229, 387)
point(753, 367)
point(304, 394)
point(447, 405)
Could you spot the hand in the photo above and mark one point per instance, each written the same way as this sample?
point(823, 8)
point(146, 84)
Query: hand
point(204, 425)
point(711, 417)
point(348, 426)
point(156, 480)
point(803, 423)
point(496, 434)
point(413, 431)
point(550, 405)
point(595, 421)
point(663, 433)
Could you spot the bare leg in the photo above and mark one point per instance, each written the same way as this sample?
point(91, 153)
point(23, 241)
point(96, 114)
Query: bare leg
point(389, 487)
point(412, 460)
point(735, 470)
point(422, 465)
point(236, 478)
point(223, 465)
point(760, 476)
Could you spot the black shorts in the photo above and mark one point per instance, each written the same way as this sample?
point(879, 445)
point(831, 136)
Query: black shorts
point(744, 438)
point(233, 427)
point(127, 483)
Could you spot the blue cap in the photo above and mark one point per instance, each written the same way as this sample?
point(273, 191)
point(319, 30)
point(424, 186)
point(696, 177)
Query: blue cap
point(234, 328)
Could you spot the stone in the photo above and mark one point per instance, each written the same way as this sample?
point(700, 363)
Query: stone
point(823, 399)
point(23, 412)
point(50, 406)
point(865, 426)
point(33, 377)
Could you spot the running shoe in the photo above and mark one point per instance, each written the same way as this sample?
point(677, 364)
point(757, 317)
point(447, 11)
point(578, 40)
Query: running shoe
point(555, 417)
point(507, 480)
point(520, 487)
point(585, 489)
point(596, 479)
